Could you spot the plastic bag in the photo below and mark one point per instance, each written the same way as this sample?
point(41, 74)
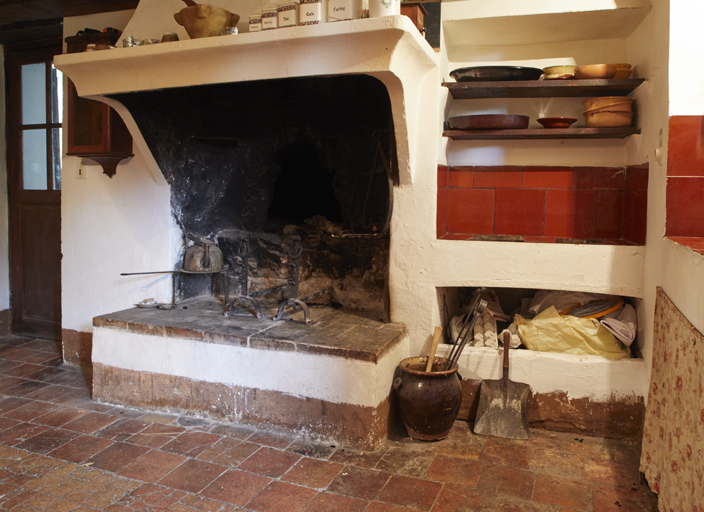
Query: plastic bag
point(552, 332)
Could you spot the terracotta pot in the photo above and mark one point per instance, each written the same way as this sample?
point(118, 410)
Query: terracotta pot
point(429, 401)
point(205, 20)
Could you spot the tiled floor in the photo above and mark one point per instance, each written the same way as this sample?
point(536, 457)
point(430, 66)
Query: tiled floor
point(62, 452)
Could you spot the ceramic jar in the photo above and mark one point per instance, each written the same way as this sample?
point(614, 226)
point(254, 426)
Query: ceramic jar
point(255, 23)
point(341, 10)
point(428, 401)
point(312, 12)
point(269, 19)
point(384, 8)
point(287, 14)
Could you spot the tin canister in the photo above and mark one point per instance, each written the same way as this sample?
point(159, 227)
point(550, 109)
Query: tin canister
point(269, 19)
point(255, 23)
point(312, 12)
point(341, 10)
point(384, 8)
point(288, 14)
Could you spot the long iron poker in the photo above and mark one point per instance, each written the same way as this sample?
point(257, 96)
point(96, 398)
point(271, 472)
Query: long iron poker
point(463, 335)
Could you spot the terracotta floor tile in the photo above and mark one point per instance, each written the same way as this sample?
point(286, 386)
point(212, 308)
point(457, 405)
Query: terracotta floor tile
point(410, 492)
point(561, 491)
point(22, 369)
point(156, 435)
point(47, 441)
point(506, 479)
point(270, 462)
point(315, 451)
point(280, 496)
point(47, 503)
point(152, 466)
point(116, 456)
point(357, 458)
point(269, 439)
point(386, 507)
point(468, 446)
point(14, 498)
point(507, 454)
point(101, 491)
point(157, 417)
point(236, 487)
point(33, 464)
point(6, 423)
point(191, 444)
point(192, 475)
point(59, 416)
point(612, 499)
point(238, 452)
point(56, 394)
point(455, 470)
point(611, 473)
point(10, 403)
point(90, 422)
point(405, 461)
point(234, 431)
point(19, 433)
point(557, 463)
point(204, 504)
point(459, 499)
point(359, 482)
point(314, 473)
point(122, 429)
point(80, 448)
point(148, 497)
point(325, 502)
point(8, 383)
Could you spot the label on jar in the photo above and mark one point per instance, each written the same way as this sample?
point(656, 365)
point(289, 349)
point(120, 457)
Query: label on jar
point(288, 15)
point(311, 12)
point(340, 10)
point(269, 19)
point(255, 23)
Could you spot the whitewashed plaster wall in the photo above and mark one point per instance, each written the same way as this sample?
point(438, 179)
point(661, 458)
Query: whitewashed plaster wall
point(112, 225)
point(4, 235)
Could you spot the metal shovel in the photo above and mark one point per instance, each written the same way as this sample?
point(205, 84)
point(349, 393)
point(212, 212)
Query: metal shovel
point(502, 405)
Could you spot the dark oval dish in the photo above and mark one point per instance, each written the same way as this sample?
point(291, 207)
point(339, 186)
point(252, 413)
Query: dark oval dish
point(557, 122)
point(495, 73)
point(488, 122)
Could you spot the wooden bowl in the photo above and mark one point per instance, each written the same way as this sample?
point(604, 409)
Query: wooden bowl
point(593, 71)
point(557, 122)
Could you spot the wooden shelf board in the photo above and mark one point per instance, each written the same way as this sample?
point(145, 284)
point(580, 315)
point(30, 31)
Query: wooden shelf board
point(542, 133)
point(542, 88)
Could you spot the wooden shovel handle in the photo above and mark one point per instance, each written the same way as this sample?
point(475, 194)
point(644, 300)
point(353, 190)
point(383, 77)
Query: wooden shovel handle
point(507, 342)
point(433, 348)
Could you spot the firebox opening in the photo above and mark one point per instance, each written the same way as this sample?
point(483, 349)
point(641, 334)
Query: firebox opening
point(303, 188)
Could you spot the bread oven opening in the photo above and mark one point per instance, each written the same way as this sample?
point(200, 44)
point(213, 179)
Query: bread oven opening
point(292, 179)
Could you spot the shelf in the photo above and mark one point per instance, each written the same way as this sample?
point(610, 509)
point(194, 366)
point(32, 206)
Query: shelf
point(542, 88)
point(542, 133)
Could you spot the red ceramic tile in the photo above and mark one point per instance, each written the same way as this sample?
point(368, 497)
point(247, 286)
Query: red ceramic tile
point(279, 496)
point(80, 449)
point(498, 177)
point(612, 499)
point(470, 211)
point(507, 480)
point(313, 473)
point(30, 411)
point(547, 177)
point(540, 239)
point(60, 417)
point(637, 177)
point(558, 463)
point(270, 439)
point(561, 492)
point(461, 177)
point(359, 482)
point(453, 236)
point(6, 423)
point(685, 146)
point(19, 433)
point(570, 213)
point(519, 212)
point(236, 487)
point(635, 216)
point(613, 178)
point(326, 502)
point(685, 207)
point(441, 220)
point(156, 435)
point(410, 492)
point(455, 470)
point(152, 466)
point(117, 456)
point(229, 452)
point(508, 454)
point(357, 458)
point(193, 475)
point(611, 473)
point(609, 214)
point(270, 462)
point(454, 498)
point(12, 403)
point(47, 441)
point(442, 176)
point(694, 243)
point(23, 370)
point(122, 429)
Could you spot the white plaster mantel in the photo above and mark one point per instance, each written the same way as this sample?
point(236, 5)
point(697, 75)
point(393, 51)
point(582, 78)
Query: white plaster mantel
point(390, 49)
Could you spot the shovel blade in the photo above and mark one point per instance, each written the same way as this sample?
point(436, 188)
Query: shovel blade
point(502, 409)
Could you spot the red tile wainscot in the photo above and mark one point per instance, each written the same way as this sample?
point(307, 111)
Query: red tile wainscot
point(519, 212)
point(685, 207)
point(685, 146)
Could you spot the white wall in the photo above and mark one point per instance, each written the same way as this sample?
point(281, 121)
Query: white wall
point(112, 225)
point(4, 236)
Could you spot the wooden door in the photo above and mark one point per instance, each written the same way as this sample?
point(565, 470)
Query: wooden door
point(34, 116)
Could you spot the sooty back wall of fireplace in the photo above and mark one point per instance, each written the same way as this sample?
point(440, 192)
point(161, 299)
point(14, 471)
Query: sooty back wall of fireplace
point(258, 156)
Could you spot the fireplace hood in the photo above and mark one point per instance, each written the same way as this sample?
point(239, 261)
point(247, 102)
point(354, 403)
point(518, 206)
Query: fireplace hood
point(390, 49)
